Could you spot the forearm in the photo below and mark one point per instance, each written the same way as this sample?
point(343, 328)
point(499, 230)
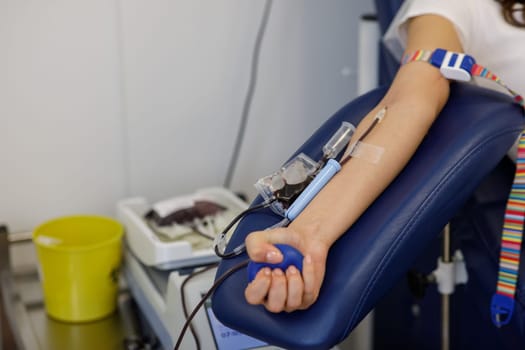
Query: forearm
point(411, 109)
point(413, 101)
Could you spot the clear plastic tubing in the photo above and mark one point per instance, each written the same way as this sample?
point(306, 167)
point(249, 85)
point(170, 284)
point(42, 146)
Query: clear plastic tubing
point(339, 140)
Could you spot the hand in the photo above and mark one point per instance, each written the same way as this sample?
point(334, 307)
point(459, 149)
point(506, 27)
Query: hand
point(286, 290)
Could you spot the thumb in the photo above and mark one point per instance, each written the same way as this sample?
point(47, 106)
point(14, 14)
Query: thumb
point(260, 245)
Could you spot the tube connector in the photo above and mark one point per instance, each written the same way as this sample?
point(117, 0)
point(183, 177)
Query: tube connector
point(380, 115)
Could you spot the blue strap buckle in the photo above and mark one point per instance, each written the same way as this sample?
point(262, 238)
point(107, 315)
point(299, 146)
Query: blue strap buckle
point(501, 309)
point(454, 66)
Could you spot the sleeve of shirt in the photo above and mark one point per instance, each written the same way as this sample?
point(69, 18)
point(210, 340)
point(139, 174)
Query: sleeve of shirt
point(457, 12)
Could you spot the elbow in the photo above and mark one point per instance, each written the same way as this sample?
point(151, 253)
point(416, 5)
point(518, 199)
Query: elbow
point(421, 88)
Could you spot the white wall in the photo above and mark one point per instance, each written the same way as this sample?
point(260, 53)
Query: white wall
point(105, 99)
point(60, 145)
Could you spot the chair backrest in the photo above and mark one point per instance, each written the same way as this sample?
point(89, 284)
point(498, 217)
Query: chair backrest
point(386, 10)
point(388, 65)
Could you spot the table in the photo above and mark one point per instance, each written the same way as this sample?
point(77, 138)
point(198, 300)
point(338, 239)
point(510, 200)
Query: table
point(25, 324)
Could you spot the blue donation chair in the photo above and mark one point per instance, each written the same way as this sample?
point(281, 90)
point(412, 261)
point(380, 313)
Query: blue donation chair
point(468, 140)
point(459, 175)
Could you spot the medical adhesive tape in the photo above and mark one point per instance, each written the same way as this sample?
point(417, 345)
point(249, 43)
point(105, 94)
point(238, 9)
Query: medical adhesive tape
point(366, 151)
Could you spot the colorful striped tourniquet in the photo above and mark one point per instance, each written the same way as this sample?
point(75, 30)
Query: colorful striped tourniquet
point(513, 229)
point(476, 70)
point(502, 305)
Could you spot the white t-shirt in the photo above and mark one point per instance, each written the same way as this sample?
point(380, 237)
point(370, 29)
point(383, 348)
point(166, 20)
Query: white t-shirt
point(482, 31)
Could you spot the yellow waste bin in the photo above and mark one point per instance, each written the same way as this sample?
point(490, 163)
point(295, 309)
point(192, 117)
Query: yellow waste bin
point(79, 259)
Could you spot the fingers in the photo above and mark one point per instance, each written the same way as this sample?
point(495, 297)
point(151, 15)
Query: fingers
point(295, 289)
point(257, 290)
point(285, 291)
point(277, 293)
point(311, 289)
point(276, 290)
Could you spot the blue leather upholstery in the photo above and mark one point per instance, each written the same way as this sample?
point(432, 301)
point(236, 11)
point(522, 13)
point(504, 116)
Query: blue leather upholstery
point(388, 65)
point(467, 141)
point(386, 10)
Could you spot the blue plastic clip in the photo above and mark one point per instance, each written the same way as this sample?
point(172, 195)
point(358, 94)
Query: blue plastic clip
point(454, 66)
point(501, 309)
